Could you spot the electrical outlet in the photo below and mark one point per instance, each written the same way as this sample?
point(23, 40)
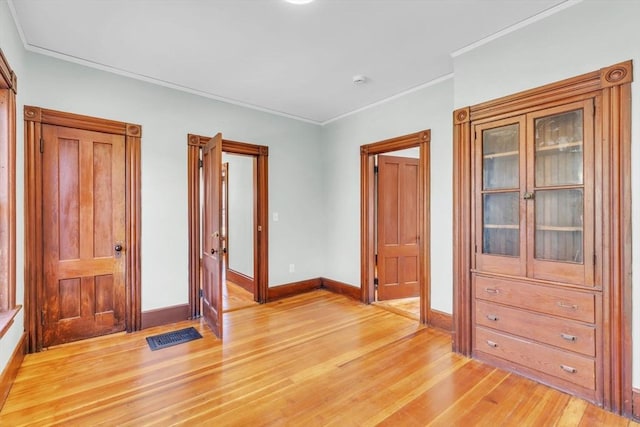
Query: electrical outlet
point(292, 268)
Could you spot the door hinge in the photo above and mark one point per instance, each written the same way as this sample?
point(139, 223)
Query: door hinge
point(375, 283)
point(41, 145)
point(201, 293)
point(475, 248)
point(42, 317)
point(200, 163)
point(375, 169)
point(594, 259)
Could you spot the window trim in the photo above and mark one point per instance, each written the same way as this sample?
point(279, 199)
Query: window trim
point(8, 90)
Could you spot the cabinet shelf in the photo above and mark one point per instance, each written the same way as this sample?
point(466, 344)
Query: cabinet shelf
point(557, 228)
point(502, 154)
point(558, 147)
point(502, 226)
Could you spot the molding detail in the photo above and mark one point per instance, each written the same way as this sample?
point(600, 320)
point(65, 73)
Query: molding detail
point(461, 116)
point(32, 114)
point(264, 151)
point(164, 316)
point(294, 288)
point(441, 320)
point(616, 74)
point(134, 130)
point(341, 288)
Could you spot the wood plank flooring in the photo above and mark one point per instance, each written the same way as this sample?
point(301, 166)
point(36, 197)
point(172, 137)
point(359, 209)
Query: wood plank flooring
point(409, 307)
point(317, 359)
point(235, 297)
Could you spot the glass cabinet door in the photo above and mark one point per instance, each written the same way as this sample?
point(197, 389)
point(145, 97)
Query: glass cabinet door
point(561, 140)
point(499, 177)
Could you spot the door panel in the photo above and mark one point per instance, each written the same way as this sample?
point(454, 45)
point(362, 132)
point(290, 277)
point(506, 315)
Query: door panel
point(83, 213)
point(398, 249)
point(212, 250)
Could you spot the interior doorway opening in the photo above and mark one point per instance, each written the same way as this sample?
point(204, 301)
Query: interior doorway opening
point(243, 169)
point(395, 224)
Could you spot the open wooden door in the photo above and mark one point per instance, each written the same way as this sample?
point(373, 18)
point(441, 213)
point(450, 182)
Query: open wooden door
point(212, 247)
point(398, 228)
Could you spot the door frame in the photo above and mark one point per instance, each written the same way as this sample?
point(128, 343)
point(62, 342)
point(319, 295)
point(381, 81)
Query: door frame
point(368, 152)
point(611, 86)
point(195, 143)
point(34, 118)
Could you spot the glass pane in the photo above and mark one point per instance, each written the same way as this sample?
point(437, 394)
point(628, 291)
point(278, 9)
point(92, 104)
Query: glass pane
point(558, 158)
point(559, 225)
point(501, 224)
point(500, 149)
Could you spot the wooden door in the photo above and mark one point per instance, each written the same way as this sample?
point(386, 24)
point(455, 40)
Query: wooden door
point(560, 180)
point(500, 210)
point(212, 250)
point(398, 230)
point(83, 216)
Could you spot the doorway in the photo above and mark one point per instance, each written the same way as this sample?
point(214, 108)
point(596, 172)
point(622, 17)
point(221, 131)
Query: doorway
point(246, 172)
point(82, 227)
point(395, 245)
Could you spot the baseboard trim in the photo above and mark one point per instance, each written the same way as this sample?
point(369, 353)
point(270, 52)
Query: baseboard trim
point(241, 280)
point(293, 288)
point(635, 403)
point(341, 288)
point(164, 316)
point(10, 371)
point(441, 320)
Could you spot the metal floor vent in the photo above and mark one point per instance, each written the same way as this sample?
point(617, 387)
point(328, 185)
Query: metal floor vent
point(168, 339)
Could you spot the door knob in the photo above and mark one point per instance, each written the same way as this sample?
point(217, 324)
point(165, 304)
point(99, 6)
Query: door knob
point(213, 251)
point(118, 247)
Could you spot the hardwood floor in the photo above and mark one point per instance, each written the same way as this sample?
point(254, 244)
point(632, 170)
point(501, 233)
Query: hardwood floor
point(317, 359)
point(408, 307)
point(235, 297)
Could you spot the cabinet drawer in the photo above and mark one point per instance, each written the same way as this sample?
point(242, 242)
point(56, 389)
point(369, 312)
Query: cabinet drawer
point(562, 364)
point(555, 331)
point(543, 299)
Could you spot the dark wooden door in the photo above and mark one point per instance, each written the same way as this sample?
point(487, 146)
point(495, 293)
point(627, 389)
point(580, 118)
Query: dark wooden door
point(398, 231)
point(83, 215)
point(212, 240)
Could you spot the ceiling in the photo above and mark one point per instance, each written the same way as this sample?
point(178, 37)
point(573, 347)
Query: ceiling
point(294, 60)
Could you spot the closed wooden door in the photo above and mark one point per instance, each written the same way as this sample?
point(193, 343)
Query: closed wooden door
point(212, 239)
point(83, 215)
point(398, 231)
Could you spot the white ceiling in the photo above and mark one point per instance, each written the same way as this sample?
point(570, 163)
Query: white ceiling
point(293, 60)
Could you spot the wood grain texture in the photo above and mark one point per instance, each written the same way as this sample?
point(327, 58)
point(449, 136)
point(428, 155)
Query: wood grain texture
point(609, 90)
point(317, 359)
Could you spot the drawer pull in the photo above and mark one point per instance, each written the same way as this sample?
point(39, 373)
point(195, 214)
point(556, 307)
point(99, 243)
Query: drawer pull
point(568, 337)
point(569, 369)
point(491, 291)
point(492, 344)
point(492, 317)
point(562, 304)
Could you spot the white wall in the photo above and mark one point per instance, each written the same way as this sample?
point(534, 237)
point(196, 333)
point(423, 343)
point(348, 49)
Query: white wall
point(428, 108)
point(240, 234)
point(583, 38)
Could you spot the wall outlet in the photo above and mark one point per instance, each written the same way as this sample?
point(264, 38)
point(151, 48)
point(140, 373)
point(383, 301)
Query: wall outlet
point(292, 268)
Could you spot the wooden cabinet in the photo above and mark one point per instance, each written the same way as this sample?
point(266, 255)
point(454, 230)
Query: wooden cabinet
point(533, 202)
point(540, 259)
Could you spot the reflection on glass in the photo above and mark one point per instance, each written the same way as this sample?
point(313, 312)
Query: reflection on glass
point(500, 157)
point(501, 224)
point(559, 225)
point(558, 149)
